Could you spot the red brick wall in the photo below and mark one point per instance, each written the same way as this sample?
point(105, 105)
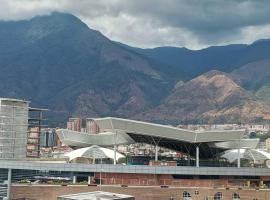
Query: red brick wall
point(152, 179)
point(141, 193)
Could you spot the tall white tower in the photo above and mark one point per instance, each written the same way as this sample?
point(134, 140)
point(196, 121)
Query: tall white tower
point(13, 128)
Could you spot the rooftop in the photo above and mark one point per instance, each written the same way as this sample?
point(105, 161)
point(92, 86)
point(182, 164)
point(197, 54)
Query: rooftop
point(14, 100)
point(95, 196)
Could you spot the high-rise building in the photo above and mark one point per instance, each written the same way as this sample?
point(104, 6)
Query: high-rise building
point(33, 142)
point(34, 130)
point(91, 126)
point(48, 138)
point(13, 128)
point(74, 124)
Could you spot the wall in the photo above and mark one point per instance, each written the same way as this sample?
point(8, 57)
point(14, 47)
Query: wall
point(163, 179)
point(141, 193)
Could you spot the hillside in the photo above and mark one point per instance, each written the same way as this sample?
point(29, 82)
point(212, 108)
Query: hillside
point(195, 62)
point(56, 61)
point(211, 97)
point(255, 77)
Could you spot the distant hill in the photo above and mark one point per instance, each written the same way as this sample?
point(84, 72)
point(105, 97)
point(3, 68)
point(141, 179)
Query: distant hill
point(255, 77)
point(58, 62)
point(195, 62)
point(212, 97)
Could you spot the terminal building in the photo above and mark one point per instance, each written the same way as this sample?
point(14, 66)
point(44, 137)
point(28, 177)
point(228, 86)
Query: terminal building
point(197, 144)
point(202, 147)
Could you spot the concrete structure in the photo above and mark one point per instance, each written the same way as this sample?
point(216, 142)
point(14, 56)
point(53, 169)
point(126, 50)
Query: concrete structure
point(96, 195)
point(91, 126)
point(116, 131)
point(74, 124)
point(51, 192)
point(134, 169)
point(48, 138)
point(13, 128)
point(33, 142)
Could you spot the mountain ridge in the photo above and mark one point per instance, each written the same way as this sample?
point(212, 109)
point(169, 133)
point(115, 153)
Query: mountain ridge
point(58, 62)
point(195, 62)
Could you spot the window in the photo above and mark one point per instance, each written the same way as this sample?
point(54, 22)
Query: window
point(235, 196)
point(186, 196)
point(218, 196)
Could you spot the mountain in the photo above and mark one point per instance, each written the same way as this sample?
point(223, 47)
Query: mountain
point(255, 77)
point(212, 97)
point(191, 63)
point(56, 61)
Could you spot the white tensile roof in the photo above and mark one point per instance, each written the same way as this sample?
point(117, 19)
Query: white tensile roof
point(249, 154)
point(94, 152)
point(112, 124)
point(96, 195)
point(117, 131)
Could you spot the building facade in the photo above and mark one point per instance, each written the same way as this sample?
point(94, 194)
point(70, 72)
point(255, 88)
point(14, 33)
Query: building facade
point(74, 124)
point(13, 128)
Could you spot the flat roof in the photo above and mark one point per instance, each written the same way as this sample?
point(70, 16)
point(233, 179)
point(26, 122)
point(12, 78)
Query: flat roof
point(96, 195)
point(14, 100)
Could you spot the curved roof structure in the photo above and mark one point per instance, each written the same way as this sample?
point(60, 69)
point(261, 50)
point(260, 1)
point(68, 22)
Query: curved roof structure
point(118, 125)
point(116, 131)
point(93, 152)
point(249, 154)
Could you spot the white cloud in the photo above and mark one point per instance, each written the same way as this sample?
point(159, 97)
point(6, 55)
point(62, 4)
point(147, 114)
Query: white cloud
point(142, 33)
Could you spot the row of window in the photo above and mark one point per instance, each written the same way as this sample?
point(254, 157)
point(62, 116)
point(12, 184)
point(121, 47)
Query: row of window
point(217, 196)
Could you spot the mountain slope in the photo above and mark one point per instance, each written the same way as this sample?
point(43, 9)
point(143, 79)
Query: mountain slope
point(192, 63)
point(211, 97)
point(255, 77)
point(56, 61)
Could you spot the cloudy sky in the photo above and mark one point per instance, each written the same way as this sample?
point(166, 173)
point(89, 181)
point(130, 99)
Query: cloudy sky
point(194, 24)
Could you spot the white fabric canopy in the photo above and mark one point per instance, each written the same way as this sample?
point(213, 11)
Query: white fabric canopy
point(94, 152)
point(249, 154)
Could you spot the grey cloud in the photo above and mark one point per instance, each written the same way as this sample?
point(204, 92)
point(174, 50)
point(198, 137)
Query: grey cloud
point(210, 20)
point(191, 23)
point(204, 15)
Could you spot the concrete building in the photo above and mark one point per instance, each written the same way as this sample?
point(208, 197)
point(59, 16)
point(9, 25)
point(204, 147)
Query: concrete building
point(48, 138)
point(74, 124)
point(201, 146)
point(33, 142)
point(91, 126)
point(198, 144)
point(13, 128)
